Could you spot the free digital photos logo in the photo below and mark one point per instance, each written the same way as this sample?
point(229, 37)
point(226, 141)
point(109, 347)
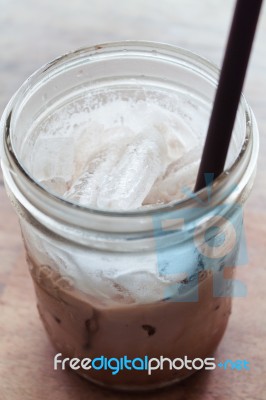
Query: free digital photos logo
point(204, 237)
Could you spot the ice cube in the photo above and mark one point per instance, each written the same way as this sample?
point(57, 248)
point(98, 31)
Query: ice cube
point(128, 181)
point(86, 188)
point(53, 157)
point(94, 140)
point(87, 142)
point(122, 174)
point(179, 175)
point(172, 128)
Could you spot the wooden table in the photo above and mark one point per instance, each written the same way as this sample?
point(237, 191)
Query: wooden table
point(32, 33)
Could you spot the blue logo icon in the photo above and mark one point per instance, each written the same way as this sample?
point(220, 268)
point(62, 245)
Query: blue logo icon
point(201, 240)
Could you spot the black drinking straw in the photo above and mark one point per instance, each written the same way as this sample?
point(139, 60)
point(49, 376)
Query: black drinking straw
point(229, 89)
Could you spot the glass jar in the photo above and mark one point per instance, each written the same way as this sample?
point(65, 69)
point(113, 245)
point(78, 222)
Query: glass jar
point(144, 284)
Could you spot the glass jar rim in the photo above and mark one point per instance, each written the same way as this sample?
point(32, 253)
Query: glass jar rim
point(61, 206)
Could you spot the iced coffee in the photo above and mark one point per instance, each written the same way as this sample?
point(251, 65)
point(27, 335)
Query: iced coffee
point(126, 260)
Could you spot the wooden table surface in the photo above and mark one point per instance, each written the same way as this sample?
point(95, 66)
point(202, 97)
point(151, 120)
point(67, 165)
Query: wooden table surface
point(32, 33)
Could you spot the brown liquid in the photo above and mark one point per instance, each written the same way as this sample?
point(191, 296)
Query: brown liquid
point(79, 327)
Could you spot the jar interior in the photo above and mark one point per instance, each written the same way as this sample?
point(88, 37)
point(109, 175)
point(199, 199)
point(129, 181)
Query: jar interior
point(60, 98)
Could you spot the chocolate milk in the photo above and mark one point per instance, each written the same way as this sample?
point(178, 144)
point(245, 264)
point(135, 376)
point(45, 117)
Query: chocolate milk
point(79, 326)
